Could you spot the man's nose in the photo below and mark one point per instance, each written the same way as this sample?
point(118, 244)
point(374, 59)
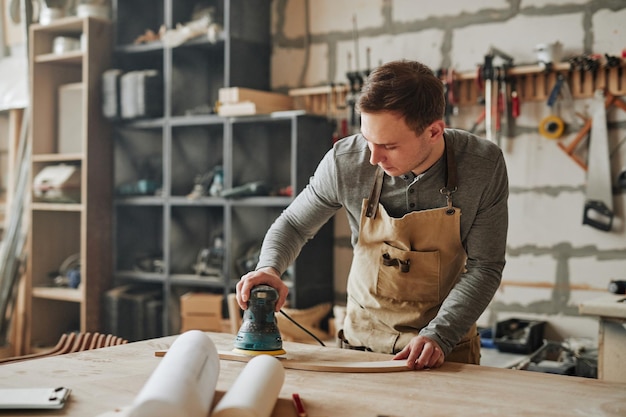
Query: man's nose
point(376, 155)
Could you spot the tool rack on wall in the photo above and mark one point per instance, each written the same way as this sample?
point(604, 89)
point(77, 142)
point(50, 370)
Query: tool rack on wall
point(159, 234)
point(534, 83)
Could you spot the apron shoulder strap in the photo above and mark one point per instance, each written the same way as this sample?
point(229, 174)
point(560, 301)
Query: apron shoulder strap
point(451, 177)
point(372, 203)
point(452, 180)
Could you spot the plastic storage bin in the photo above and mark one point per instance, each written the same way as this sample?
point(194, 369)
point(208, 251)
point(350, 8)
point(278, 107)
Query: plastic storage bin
point(519, 336)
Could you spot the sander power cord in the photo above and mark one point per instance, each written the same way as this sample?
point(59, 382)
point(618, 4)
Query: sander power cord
point(302, 327)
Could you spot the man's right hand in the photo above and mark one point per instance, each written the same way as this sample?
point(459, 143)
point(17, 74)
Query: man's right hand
point(267, 276)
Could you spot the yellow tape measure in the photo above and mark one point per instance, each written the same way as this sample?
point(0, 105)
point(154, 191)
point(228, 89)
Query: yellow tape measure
point(551, 127)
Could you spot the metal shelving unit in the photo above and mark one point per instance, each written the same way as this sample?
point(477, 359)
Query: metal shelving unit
point(167, 231)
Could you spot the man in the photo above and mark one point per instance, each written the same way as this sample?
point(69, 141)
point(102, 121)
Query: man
point(427, 208)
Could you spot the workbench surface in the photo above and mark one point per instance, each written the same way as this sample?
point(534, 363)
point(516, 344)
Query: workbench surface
point(611, 305)
point(107, 379)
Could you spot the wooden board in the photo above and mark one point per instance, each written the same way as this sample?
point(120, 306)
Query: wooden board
point(326, 366)
point(289, 362)
point(611, 305)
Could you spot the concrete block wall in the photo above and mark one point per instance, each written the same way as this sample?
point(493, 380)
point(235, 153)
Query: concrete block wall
point(553, 261)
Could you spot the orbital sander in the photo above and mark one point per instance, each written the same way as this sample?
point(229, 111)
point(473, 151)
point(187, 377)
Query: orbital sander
point(259, 332)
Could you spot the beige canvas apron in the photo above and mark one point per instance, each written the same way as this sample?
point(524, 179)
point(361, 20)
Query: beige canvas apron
point(402, 270)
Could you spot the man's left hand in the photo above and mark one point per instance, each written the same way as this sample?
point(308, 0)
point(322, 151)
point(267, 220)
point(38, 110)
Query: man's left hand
point(420, 353)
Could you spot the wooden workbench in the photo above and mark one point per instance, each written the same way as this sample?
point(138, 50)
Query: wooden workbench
point(105, 379)
point(611, 312)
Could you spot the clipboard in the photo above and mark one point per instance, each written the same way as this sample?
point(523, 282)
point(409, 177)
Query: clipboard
point(33, 398)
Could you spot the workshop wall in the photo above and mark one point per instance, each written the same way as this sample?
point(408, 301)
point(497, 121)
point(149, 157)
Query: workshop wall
point(553, 261)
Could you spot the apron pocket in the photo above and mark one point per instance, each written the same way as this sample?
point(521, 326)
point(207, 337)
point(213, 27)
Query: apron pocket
point(408, 275)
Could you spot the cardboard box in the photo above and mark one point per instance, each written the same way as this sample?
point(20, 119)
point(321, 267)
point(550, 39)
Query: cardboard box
point(201, 311)
point(237, 101)
point(230, 95)
point(199, 303)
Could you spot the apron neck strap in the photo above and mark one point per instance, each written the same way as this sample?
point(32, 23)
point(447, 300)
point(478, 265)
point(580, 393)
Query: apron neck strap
point(372, 203)
point(451, 174)
point(448, 190)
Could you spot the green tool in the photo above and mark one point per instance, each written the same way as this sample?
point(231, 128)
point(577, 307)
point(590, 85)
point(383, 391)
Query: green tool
point(259, 333)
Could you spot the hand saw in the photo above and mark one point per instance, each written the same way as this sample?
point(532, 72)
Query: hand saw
point(599, 195)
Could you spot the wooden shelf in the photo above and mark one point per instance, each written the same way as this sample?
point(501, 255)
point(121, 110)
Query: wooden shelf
point(58, 157)
point(42, 206)
point(68, 25)
point(61, 294)
point(60, 231)
point(73, 57)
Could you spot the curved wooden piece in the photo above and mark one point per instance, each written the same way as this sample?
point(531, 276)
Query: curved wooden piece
point(53, 351)
point(69, 342)
point(98, 341)
point(86, 341)
point(94, 341)
point(319, 366)
point(59, 345)
point(327, 366)
point(78, 342)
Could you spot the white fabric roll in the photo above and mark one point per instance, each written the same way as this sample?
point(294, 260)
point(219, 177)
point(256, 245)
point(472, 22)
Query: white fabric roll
point(183, 385)
point(255, 390)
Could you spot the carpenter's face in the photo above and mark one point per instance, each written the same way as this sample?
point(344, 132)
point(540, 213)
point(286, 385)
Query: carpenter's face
point(395, 147)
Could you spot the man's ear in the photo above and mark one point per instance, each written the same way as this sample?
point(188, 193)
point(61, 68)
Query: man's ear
point(436, 130)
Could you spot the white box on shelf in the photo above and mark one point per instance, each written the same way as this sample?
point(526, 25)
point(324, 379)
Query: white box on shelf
point(70, 131)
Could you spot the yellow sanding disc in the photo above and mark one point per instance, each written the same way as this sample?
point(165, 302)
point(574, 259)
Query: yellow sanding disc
point(260, 352)
point(551, 127)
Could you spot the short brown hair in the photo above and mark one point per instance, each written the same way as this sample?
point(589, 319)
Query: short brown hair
point(409, 88)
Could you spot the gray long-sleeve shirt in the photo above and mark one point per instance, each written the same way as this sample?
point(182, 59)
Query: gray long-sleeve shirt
point(344, 178)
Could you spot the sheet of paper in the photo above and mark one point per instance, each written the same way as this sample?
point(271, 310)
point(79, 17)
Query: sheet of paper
point(255, 390)
point(183, 384)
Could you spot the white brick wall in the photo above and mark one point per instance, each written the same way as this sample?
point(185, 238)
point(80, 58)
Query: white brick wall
point(609, 31)
point(517, 36)
point(411, 10)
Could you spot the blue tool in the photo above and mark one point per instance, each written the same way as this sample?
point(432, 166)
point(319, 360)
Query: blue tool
point(259, 333)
